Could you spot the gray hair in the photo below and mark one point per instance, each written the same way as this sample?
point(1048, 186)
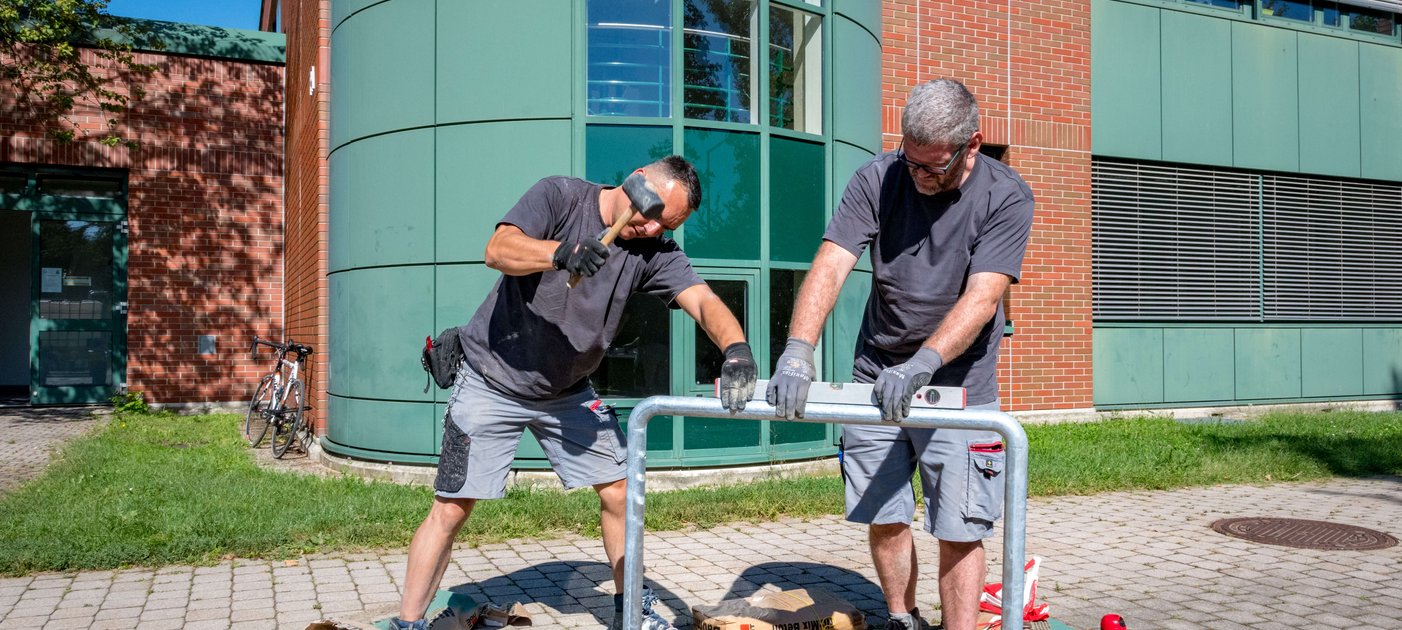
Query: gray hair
point(941, 111)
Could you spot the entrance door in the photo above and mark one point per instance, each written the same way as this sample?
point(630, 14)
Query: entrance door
point(78, 329)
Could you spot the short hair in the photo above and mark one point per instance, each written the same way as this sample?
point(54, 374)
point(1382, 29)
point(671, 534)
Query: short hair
point(676, 168)
point(940, 111)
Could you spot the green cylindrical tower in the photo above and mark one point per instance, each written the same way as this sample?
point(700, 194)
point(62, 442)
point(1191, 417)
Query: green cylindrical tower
point(443, 113)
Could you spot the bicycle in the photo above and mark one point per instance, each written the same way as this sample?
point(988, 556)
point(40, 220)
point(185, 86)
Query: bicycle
point(279, 400)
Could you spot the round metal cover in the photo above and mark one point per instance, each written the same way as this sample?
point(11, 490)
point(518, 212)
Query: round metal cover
point(1304, 534)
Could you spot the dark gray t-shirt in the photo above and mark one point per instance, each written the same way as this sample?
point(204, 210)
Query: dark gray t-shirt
point(533, 337)
point(923, 249)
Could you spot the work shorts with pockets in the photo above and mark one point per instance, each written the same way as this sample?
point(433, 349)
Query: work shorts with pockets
point(482, 428)
point(961, 472)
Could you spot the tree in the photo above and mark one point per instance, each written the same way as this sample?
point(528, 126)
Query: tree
point(41, 44)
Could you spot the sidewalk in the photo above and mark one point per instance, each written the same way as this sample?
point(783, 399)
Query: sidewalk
point(1149, 556)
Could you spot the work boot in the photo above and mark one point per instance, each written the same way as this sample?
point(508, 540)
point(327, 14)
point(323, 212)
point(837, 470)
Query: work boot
point(906, 621)
point(651, 620)
point(395, 623)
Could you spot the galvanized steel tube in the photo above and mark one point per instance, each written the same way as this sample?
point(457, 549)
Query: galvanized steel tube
point(1015, 478)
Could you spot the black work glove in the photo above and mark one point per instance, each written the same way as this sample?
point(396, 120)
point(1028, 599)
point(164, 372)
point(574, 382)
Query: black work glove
point(580, 258)
point(897, 384)
point(737, 377)
point(788, 389)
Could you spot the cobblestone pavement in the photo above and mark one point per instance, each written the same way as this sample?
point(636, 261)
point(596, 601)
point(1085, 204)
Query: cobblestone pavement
point(1149, 556)
point(29, 436)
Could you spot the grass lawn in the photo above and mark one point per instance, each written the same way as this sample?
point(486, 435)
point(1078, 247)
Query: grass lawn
point(164, 489)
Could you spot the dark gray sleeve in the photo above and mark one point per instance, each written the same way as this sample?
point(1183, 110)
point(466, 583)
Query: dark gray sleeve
point(539, 212)
point(668, 273)
point(855, 222)
point(1003, 241)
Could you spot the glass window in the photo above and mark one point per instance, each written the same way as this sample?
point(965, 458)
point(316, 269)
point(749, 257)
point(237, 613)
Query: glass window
point(726, 225)
point(1370, 21)
point(795, 70)
point(1225, 4)
point(638, 364)
point(783, 293)
point(75, 267)
point(719, 72)
point(796, 207)
point(80, 187)
point(1289, 9)
point(75, 358)
point(614, 151)
point(708, 356)
point(630, 52)
point(13, 183)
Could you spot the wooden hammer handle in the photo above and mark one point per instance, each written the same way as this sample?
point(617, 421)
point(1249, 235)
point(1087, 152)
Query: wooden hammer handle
point(608, 237)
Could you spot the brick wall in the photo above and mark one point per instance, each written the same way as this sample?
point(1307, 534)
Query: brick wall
point(204, 212)
point(1029, 65)
point(307, 24)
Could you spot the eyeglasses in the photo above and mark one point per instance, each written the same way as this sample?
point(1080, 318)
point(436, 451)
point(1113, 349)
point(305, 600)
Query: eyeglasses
point(930, 170)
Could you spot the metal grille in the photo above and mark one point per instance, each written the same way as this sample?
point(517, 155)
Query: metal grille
point(1174, 243)
point(1331, 249)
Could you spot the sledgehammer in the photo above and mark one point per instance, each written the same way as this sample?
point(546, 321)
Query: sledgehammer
point(642, 198)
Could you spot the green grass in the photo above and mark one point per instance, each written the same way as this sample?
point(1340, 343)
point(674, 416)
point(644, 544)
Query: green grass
point(163, 489)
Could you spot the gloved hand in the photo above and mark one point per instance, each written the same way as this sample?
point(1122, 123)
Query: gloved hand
point(737, 377)
point(897, 384)
point(788, 389)
point(580, 258)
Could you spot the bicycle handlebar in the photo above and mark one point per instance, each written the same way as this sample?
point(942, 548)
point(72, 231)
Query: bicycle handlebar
point(301, 350)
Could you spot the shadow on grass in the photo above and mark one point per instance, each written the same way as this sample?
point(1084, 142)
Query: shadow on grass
point(1344, 456)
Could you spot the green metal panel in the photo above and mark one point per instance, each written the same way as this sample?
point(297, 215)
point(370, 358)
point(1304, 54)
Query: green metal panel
point(382, 70)
point(503, 59)
point(700, 434)
point(482, 171)
point(857, 70)
point(459, 290)
point(385, 206)
point(1382, 360)
point(611, 152)
point(864, 13)
point(1331, 361)
point(796, 218)
point(1128, 365)
point(383, 316)
point(1266, 99)
point(383, 426)
point(1267, 363)
point(1124, 88)
point(338, 226)
point(1380, 93)
point(1197, 89)
point(1197, 364)
point(342, 9)
point(846, 324)
point(1329, 133)
point(727, 223)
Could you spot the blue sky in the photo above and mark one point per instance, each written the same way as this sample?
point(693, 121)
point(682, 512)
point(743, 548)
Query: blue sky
point(226, 13)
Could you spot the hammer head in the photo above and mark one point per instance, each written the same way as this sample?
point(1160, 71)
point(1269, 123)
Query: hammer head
point(643, 196)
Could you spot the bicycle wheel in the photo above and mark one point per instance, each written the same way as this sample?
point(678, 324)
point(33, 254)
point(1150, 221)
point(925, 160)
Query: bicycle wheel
point(255, 424)
point(297, 410)
point(287, 418)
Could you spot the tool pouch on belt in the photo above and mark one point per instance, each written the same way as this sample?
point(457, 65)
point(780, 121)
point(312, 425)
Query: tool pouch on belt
point(442, 357)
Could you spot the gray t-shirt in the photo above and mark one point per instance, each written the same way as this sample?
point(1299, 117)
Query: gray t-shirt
point(923, 249)
point(535, 338)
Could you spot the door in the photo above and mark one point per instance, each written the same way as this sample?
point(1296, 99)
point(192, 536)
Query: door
point(78, 310)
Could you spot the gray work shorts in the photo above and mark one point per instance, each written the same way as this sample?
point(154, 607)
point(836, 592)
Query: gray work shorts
point(961, 473)
point(483, 427)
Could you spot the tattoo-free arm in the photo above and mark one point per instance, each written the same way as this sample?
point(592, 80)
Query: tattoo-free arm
point(970, 314)
point(513, 253)
point(830, 268)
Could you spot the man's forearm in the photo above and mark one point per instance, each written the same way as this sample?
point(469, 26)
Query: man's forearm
point(513, 253)
point(819, 292)
point(719, 323)
point(979, 304)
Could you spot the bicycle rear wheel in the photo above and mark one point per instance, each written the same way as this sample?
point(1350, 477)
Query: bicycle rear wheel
point(289, 421)
point(255, 423)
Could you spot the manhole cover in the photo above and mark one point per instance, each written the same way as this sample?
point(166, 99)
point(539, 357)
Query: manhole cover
point(1294, 532)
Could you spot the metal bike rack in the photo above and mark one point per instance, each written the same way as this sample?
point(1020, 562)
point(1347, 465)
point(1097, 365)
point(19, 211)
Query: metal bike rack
point(1015, 478)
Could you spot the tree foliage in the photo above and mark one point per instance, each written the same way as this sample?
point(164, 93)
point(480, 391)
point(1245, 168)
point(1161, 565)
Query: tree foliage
point(41, 43)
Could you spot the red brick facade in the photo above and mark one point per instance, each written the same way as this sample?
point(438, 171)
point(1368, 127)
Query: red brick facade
point(205, 217)
point(307, 24)
point(1029, 66)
